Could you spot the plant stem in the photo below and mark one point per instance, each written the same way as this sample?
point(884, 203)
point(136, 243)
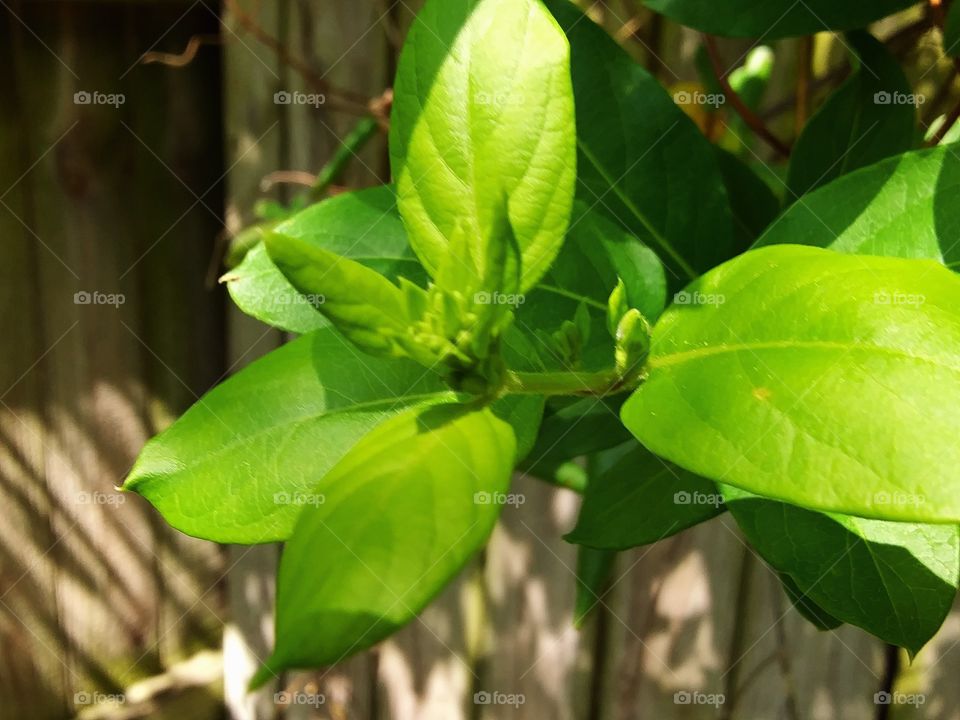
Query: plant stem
point(361, 134)
point(752, 120)
point(604, 382)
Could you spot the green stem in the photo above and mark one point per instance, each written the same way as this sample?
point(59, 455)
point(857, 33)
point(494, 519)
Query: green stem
point(349, 147)
point(604, 382)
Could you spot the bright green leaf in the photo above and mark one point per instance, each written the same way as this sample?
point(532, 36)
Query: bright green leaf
point(774, 18)
point(402, 514)
point(483, 110)
point(641, 160)
point(827, 380)
point(904, 206)
point(640, 499)
point(895, 580)
point(261, 291)
point(240, 465)
point(870, 117)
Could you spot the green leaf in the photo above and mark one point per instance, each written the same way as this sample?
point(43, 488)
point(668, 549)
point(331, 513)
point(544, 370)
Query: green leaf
point(641, 160)
point(363, 305)
point(261, 291)
point(814, 614)
point(594, 570)
point(402, 514)
point(830, 381)
point(363, 226)
point(774, 18)
point(578, 427)
point(895, 580)
point(524, 413)
point(870, 117)
point(240, 465)
point(904, 206)
point(752, 201)
point(640, 499)
point(483, 108)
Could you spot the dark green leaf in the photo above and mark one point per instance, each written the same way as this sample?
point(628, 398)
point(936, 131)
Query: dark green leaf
point(895, 580)
point(640, 159)
point(814, 614)
point(773, 19)
point(752, 201)
point(641, 499)
point(870, 117)
point(594, 568)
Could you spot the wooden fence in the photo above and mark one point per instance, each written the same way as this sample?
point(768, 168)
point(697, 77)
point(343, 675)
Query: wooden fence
point(98, 597)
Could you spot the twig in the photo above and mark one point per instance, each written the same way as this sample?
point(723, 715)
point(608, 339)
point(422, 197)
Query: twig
point(337, 97)
point(939, 15)
point(752, 120)
point(292, 177)
point(182, 59)
point(348, 149)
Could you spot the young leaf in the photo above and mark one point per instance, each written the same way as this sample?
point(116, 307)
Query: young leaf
point(830, 381)
point(641, 160)
point(483, 108)
point(904, 206)
point(641, 499)
point(870, 117)
point(363, 226)
point(774, 19)
point(895, 580)
point(261, 291)
point(241, 464)
point(362, 304)
point(403, 512)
